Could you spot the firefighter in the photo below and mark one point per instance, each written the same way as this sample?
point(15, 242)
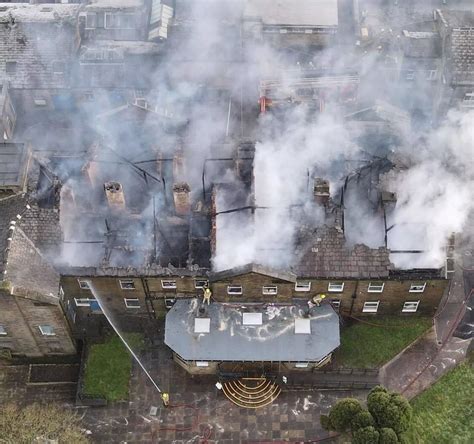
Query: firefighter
point(207, 295)
point(318, 299)
point(165, 397)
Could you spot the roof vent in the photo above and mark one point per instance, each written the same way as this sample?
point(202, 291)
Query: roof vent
point(202, 325)
point(252, 318)
point(302, 326)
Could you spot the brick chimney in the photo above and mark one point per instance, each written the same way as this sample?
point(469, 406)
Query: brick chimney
point(321, 191)
point(115, 196)
point(178, 166)
point(181, 197)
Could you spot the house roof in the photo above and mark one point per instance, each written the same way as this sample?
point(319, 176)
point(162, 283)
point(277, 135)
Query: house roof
point(36, 53)
point(324, 253)
point(252, 268)
point(322, 13)
point(41, 13)
point(274, 340)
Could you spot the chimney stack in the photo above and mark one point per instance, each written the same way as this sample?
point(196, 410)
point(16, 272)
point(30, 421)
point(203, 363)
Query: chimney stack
point(178, 166)
point(321, 191)
point(115, 196)
point(182, 202)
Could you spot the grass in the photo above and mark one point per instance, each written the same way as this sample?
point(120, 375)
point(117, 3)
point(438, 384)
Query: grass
point(368, 346)
point(108, 366)
point(444, 413)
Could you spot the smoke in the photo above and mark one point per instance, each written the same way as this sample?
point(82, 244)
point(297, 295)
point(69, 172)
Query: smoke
point(204, 95)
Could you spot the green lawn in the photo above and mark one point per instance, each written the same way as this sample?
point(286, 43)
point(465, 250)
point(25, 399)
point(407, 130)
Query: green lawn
point(445, 412)
point(108, 366)
point(369, 346)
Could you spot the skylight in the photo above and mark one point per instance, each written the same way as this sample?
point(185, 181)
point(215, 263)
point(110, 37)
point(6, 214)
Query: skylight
point(252, 318)
point(202, 325)
point(302, 326)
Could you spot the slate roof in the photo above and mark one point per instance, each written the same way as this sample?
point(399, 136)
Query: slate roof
point(229, 340)
point(13, 166)
point(40, 45)
point(323, 253)
point(462, 47)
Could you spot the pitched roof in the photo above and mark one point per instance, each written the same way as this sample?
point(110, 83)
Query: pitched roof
point(324, 253)
point(252, 268)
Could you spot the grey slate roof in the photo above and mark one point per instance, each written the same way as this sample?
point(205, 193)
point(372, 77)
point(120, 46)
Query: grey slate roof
point(325, 254)
point(229, 340)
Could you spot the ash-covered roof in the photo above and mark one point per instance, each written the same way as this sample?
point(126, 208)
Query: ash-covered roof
point(323, 252)
point(230, 340)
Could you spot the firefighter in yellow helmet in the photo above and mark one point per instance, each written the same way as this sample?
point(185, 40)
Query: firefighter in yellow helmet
point(207, 295)
point(165, 397)
point(318, 299)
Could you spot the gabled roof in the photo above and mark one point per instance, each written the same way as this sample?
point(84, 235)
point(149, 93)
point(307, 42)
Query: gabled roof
point(252, 268)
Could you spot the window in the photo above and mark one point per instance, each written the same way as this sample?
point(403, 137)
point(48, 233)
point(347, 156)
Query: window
point(169, 302)
point(168, 285)
point(84, 284)
point(83, 302)
point(270, 290)
point(91, 21)
point(410, 307)
point(10, 67)
point(46, 330)
point(132, 303)
point(371, 307)
point(119, 21)
point(417, 288)
point(234, 289)
point(376, 287)
point(127, 284)
point(40, 102)
point(302, 365)
point(302, 286)
point(202, 364)
point(336, 303)
point(431, 74)
point(3, 331)
point(335, 287)
point(410, 75)
point(200, 283)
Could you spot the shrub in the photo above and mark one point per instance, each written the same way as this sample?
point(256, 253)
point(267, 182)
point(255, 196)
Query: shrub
point(361, 420)
point(325, 422)
point(388, 436)
point(343, 412)
point(366, 435)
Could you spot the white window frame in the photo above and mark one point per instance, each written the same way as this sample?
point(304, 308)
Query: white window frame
point(410, 74)
point(431, 74)
point(91, 15)
point(38, 101)
point(336, 304)
point(205, 283)
point(83, 302)
point(369, 307)
point(126, 301)
point(44, 332)
point(202, 363)
point(270, 290)
point(303, 286)
point(83, 284)
point(234, 293)
point(168, 284)
point(375, 288)
point(414, 289)
point(3, 330)
point(128, 281)
point(336, 287)
point(406, 309)
point(301, 364)
point(119, 16)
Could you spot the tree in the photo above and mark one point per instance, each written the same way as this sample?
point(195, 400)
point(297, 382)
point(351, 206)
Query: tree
point(366, 435)
point(39, 422)
point(361, 420)
point(342, 413)
point(388, 436)
point(389, 410)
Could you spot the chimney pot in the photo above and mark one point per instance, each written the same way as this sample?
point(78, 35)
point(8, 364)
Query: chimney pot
point(115, 196)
